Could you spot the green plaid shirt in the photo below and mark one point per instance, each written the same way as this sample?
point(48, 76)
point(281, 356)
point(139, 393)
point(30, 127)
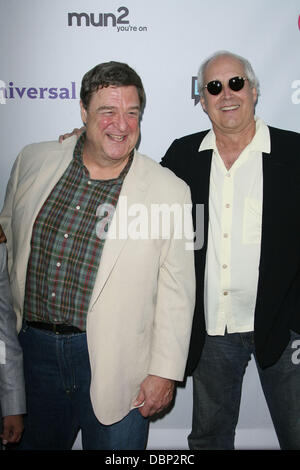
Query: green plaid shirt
point(65, 250)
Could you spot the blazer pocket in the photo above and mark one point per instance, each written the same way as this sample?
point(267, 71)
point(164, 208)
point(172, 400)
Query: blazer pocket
point(252, 221)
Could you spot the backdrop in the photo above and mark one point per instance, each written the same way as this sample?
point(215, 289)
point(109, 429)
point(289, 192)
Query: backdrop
point(47, 46)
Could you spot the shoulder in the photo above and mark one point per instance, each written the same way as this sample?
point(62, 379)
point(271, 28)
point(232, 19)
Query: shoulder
point(182, 151)
point(285, 146)
point(183, 156)
point(31, 157)
point(191, 140)
point(159, 175)
point(41, 148)
point(283, 135)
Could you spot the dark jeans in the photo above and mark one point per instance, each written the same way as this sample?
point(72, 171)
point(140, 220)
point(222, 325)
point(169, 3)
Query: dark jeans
point(57, 378)
point(217, 385)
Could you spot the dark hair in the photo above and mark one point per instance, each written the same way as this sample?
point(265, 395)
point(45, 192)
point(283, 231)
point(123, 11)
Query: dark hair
point(107, 74)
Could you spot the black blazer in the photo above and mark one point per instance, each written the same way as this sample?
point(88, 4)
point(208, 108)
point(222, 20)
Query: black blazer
point(278, 294)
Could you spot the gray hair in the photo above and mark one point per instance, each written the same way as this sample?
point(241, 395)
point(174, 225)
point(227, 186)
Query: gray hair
point(249, 72)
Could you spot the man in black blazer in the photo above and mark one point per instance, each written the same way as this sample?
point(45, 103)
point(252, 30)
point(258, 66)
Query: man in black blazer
point(247, 175)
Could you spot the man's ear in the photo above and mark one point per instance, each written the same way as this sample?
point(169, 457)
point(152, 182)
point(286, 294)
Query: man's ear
point(255, 95)
point(83, 112)
point(202, 101)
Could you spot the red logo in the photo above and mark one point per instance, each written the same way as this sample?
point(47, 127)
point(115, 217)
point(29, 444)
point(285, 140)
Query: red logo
point(299, 22)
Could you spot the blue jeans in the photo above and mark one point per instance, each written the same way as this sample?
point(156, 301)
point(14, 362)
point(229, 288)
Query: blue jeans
point(217, 386)
point(57, 379)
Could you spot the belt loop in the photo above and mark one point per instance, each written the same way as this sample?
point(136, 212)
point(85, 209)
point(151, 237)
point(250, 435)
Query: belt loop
point(54, 329)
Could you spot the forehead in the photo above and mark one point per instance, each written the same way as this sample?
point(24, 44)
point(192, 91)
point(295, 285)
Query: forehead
point(113, 95)
point(224, 66)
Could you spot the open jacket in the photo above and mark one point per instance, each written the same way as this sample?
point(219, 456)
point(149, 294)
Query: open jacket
point(278, 294)
point(140, 313)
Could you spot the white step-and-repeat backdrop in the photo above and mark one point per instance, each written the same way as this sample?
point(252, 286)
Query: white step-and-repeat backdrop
point(47, 46)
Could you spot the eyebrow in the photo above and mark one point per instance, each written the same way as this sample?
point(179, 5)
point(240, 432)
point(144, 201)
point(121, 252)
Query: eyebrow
point(105, 107)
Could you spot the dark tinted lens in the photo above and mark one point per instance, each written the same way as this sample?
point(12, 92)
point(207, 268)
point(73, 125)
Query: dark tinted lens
point(214, 87)
point(236, 83)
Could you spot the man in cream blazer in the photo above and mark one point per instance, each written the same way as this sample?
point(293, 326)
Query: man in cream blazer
point(131, 343)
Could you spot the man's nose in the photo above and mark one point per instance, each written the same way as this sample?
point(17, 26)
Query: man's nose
point(227, 91)
point(121, 121)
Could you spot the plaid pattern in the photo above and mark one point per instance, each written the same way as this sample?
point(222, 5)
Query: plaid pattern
point(65, 250)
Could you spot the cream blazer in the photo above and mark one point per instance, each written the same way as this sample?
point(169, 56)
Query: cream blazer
point(140, 313)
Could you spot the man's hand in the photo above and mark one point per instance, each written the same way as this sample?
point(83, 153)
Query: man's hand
point(12, 429)
point(75, 131)
point(155, 394)
point(2, 236)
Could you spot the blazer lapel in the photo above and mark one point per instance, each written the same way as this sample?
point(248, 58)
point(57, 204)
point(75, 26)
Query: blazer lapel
point(200, 188)
point(50, 172)
point(133, 192)
point(276, 214)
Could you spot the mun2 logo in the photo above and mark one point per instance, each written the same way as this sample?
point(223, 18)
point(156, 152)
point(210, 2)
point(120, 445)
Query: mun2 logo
point(118, 20)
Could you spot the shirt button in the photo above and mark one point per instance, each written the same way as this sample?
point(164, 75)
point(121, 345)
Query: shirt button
point(225, 235)
point(227, 206)
point(53, 294)
point(58, 265)
point(228, 175)
point(224, 266)
point(89, 182)
point(78, 207)
point(225, 292)
point(66, 235)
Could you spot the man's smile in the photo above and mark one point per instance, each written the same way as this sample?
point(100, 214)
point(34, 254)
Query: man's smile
point(117, 138)
point(230, 108)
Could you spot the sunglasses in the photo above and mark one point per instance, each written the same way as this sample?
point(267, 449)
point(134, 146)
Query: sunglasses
point(235, 84)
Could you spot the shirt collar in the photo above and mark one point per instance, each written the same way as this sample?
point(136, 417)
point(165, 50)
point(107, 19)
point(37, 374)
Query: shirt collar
point(78, 157)
point(261, 141)
point(78, 150)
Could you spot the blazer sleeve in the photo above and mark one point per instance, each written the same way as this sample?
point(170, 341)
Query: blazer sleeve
point(175, 302)
point(174, 159)
point(12, 394)
point(6, 213)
